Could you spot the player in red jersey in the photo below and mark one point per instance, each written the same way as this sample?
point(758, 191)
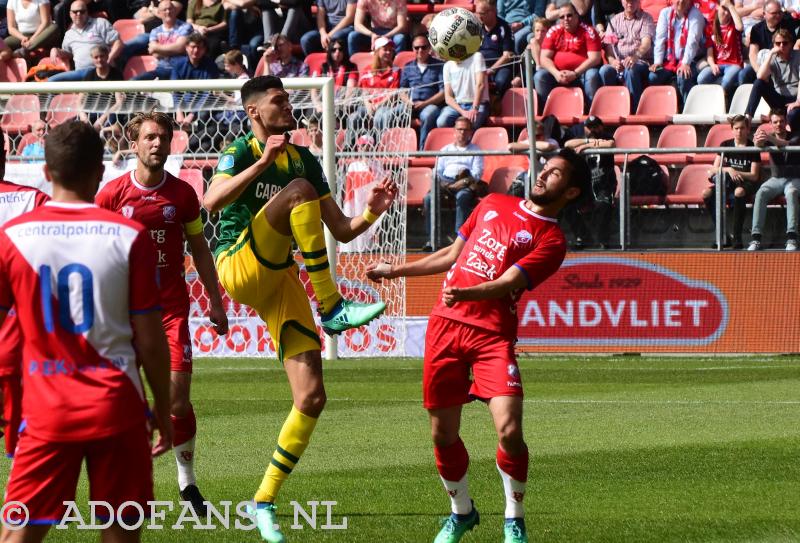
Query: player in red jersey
point(170, 210)
point(14, 201)
point(87, 278)
point(507, 244)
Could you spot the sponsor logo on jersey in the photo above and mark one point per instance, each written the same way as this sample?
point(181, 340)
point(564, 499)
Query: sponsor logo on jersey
point(299, 167)
point(169, 213)
point(225, 163)
point(523, 237)
point(127, 211)
point(489, 215)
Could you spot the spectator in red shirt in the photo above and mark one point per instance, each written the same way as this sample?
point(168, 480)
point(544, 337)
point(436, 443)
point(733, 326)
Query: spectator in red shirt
point(570, 56)
point(724, 50)
point(339, 67)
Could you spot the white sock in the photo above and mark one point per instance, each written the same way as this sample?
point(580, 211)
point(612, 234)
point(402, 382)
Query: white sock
point(184, 455)
point(515, 492)
point(460, 502)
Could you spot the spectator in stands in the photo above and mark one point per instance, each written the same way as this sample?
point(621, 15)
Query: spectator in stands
point(233, 118)
point(279, 60)
point(602, 12)
point(167, 42)
point(778, 78)
point(207, 18)
point(146, 12)
point(761, 36)
point(678, 46)
point(377, 107)
point(293, 21)
point(519, 15)
point(245, 26)
point(339, 67)
point(423, 76)
point(497, 48)
point(62, 18)
point(459, 177)
point(83, 35)
point(314, 132)
point(741, 175)
point(103, 114)
point(582, 7)
point(34, 149)
point(387, 18)
point(592, 134)
point(628, 44)
point(570, 56)
point(546, 132)
point(785, 179)
point(334, 21)
point(724, 52)
point(466, 91)
point(30, 26)
point(540, 28)
point(6, 53)
point(195, 65)
point(751, 12)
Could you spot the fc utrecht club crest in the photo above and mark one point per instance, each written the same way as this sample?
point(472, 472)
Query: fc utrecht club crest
point(523, 237)
point(127, 211)
point(169, 212)
point(489, 215)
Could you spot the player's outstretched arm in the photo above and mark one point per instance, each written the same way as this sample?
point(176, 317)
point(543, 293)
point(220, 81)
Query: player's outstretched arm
point(513, 279)
point(204, 263)
point(153, 352)
point(438, 262)
point(346, 228)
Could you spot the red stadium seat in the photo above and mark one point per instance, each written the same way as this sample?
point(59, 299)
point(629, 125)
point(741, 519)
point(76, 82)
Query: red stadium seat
point(403, 57)
point(362, 60)
point(676, 135)
point(437, 138)
point(657, 105)
point(139, 64)
point(491, 138)
point(15, 70)
point(611, 104)
point(514, 108)
point(503, 177)
point(419, 184)
point(194, 178)
point(21, 111)
point(716, 135)
point(566, 103)
point(398, 140)
point(691, 183)
point(300, 137)
point(128, 28)
point(630, 136)
point(314, 61)
point(180, 142)
point(63, 107)
point(493, 163)
point(654, 7)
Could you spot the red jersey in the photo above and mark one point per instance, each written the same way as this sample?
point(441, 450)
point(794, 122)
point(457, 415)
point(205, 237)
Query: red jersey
point(386, 79)
point(80, 272)
point(571, 50)
point(501, 232)
point(730, 50)
point(165, 210)
point(14, 201)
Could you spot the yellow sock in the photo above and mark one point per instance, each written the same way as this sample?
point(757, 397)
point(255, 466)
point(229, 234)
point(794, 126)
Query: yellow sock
point(292, 441)
point(306, 221)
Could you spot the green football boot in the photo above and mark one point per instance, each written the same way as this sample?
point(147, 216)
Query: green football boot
point(514, 530)
point(267, 522)
point(347, 314)
point(455, 526)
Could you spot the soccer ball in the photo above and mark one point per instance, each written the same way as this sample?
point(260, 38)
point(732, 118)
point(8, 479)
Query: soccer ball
point(455, 34)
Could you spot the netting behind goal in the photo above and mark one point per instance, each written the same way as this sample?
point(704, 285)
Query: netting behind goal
point(370, 141)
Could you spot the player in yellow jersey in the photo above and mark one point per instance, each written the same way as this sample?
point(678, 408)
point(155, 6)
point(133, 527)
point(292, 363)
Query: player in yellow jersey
point(269, 192)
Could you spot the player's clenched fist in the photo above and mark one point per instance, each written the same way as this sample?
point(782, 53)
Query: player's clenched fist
point(379, 272)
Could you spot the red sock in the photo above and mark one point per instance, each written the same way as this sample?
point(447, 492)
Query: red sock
point(452, 461)
point(12, 410)
point(515, 466)
point(184, 428)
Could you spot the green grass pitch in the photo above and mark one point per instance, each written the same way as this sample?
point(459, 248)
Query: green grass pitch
point(622, 449)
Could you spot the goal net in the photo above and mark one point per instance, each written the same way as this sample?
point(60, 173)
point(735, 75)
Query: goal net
point(365, 138)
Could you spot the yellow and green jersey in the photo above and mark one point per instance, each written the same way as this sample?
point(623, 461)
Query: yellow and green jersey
point(242, 153)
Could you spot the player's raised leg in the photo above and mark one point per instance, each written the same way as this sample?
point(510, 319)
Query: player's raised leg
point(512, 463)
point(452, 461)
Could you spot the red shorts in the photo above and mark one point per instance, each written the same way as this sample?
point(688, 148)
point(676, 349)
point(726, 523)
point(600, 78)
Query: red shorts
point(11, 342)
point(45, 474)
point(176, 326)
point(452, 349)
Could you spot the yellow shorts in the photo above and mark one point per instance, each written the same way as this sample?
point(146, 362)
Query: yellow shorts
point(256, 272)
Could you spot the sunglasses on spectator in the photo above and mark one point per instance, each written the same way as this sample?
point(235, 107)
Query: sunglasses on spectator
point(420, 47)
point(77, 11)
point(781, 43)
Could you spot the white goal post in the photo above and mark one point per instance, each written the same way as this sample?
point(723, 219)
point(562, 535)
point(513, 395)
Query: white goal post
point(218, 120)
